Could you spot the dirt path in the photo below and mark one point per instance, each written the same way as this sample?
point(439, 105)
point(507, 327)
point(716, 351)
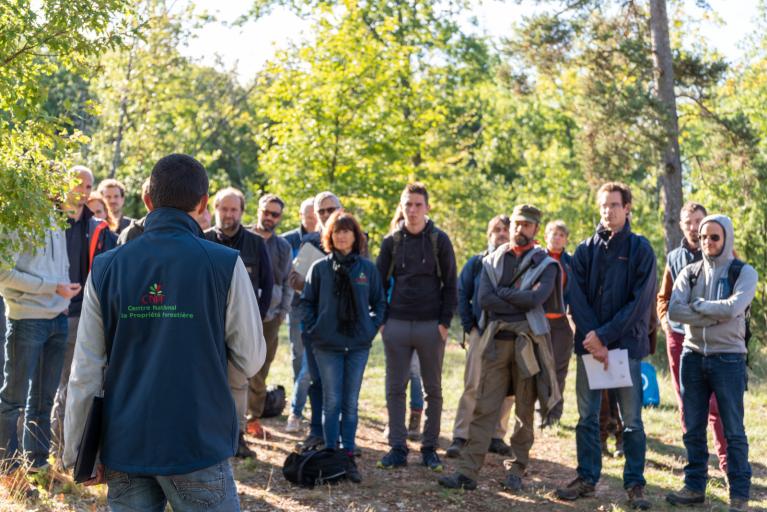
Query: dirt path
point(414, 488)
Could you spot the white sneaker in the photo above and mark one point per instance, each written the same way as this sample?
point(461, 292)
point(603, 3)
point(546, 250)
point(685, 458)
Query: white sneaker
point(293, 424)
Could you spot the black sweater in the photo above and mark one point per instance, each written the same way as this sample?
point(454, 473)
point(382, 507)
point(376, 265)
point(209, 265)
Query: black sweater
point(418, 293)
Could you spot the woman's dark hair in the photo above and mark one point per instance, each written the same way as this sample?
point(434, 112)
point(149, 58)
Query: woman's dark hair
point(178, 181)
point(339, 221)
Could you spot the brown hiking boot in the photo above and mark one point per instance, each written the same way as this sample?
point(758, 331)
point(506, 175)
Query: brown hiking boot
point(686, 496)
point(637, 499)
point(578, 488)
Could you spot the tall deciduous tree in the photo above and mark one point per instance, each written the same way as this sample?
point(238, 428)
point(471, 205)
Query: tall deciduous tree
point(372, 101)
point(36, 39)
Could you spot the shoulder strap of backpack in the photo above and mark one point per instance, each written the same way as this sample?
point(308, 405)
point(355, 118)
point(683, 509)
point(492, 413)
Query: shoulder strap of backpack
point(305, 457)
point(733, 273)
point(95, 242)
point(695, 269)
point(396, 242)
point(435, 249)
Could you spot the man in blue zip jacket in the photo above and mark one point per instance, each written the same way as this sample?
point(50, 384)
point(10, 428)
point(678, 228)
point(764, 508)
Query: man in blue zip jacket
point(611, 296)
point(157, 310)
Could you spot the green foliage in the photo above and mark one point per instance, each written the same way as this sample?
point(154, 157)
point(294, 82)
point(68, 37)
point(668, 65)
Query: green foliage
point(375, 101)
point(154, 101)
point(378, 94)
point(37, 39)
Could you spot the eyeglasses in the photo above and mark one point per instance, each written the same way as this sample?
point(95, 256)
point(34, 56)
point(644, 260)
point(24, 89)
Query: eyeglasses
point(272, 214)
point(713, 238)
point(328, 210)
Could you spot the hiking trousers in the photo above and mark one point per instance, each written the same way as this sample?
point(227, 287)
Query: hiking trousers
point(401, 338)
point(468, 401)
point(497, 376)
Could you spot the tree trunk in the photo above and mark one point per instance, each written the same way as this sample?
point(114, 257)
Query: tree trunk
point(117, 158)
point(671, 176)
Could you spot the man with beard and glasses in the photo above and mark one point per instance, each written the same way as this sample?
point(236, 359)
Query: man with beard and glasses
point(270, 209)
point(712, 298)
point(519, 284)
point(688, 252)
point(229, 206)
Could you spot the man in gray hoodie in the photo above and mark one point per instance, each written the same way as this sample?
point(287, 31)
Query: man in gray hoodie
point(37, 293)
point(711, 298)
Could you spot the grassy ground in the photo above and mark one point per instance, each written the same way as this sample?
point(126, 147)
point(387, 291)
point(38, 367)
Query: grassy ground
point(262, 486)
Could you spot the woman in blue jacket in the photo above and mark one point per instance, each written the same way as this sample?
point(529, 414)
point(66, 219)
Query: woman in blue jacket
point(343, 305)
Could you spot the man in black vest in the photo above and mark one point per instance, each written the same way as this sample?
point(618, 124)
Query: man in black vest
point(157, 310)
point(229, 204)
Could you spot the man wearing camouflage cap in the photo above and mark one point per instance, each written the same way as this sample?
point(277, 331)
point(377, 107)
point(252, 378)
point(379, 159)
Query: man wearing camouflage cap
point(519, 284)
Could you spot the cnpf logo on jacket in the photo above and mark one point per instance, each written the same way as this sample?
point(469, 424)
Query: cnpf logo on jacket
point(362, 279)
point(155, 295)
point(153, 305)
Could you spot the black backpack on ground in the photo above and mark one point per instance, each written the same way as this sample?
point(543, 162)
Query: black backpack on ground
point(316, 467)
point(275, 401)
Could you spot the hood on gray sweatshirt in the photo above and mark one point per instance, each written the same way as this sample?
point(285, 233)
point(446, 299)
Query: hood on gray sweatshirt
point(714, 314)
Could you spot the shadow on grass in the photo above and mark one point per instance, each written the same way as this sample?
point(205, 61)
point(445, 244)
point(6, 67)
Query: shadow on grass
point(415, 487)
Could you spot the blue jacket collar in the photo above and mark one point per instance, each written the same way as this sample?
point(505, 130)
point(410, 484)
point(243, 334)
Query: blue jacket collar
point(173, 219)
point(604, 234)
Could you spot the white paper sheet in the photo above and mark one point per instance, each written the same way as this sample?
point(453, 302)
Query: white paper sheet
point(306, 256)
point(617, 374)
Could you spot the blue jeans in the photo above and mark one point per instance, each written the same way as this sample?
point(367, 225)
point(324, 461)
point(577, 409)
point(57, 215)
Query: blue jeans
point(209, 489)
point(300, 390)
point(724, 375)
point(341, 382)
point(315, 389)
point(301, 378)
point(416, 386)
point(587, 432)
point(34, 355)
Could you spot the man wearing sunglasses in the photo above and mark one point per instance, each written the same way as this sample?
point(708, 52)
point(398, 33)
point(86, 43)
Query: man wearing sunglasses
point(711, 298)
point(270, 209)
point(688, 252)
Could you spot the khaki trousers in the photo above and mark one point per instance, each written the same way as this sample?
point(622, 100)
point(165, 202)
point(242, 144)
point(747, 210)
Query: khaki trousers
point(468, 400)
point(238, 386)
point(257, 383)
point(496, 377)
